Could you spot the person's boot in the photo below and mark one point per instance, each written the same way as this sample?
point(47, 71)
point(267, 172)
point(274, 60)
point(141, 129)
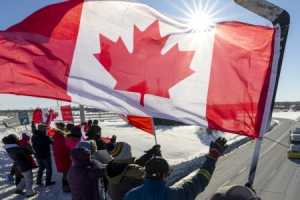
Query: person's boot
point(19, 192)
point(65, 186)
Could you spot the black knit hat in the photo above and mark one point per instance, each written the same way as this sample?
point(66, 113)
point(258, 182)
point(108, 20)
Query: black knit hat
point(156, 167)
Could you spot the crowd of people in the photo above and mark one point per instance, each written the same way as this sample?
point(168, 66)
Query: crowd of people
point(95, 170)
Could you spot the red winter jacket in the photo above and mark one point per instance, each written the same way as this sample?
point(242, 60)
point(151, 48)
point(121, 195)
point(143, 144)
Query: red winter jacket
point(72, 141)
point(61, 152)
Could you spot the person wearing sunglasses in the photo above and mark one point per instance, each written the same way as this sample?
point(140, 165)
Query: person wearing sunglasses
point(158, 171)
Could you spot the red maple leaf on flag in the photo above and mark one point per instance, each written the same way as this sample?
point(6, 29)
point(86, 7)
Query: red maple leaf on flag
point(48, 114)
point(146, 70)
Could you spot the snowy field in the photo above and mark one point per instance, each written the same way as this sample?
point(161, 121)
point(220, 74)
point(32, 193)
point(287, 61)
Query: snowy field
point(183, 146)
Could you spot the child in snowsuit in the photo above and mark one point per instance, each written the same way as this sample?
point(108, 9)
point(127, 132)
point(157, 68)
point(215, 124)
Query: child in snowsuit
point(18, 154)
point(24, 143)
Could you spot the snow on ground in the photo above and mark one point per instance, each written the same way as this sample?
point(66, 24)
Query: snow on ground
point(182, 146)
point(287, 115)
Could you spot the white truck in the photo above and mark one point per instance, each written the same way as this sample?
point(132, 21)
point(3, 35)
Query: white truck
point(294, 150)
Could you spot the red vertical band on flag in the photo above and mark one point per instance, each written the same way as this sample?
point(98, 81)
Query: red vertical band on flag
point(143, 123)
point(39, 51)
point(239, 79)
point(37, 116)
point(66, 113)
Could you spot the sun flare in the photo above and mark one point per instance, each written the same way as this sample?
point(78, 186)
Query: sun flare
point(200, 15)
point(200, 22)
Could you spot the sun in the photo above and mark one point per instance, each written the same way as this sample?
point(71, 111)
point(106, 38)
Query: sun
point(200, 15)
point(201, 22)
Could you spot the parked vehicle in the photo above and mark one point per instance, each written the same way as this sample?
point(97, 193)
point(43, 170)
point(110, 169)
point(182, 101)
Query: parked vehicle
point(294, 150)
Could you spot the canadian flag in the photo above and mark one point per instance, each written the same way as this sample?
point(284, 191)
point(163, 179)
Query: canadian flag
point(48, 115)
point(128, 58)
point(143, 123)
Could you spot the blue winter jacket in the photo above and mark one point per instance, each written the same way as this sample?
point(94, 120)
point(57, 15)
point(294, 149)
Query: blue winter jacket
point(157, 190)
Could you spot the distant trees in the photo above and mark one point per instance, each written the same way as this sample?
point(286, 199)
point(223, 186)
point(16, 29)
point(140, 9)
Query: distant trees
point(286, 105)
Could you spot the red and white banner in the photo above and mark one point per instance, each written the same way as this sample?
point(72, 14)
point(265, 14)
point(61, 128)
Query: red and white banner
point(128, 58)
point(143, 123)
point(48, 115)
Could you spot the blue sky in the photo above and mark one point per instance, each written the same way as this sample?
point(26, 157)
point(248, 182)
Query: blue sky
point(13, 11)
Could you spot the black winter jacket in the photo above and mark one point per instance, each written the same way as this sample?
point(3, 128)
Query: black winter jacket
point(41, 144)
point(19, 156)
point(101, 145)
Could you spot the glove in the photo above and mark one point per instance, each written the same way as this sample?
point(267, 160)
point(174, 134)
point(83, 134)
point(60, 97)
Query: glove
point(113, 139)
point(154, 151)
point(96, 163)
point(216, 148)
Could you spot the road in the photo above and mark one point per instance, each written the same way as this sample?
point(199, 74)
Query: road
point(276, 178)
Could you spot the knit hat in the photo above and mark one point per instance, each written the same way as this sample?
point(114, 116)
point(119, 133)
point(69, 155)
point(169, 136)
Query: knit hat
point(88, 144)
point(95, 122)
point(81, 156)
point(156, 167)
point(236, 192)
point(25, 136)
point(119, 150)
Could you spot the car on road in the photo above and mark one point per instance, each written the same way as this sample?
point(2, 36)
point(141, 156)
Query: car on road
point(294, 149)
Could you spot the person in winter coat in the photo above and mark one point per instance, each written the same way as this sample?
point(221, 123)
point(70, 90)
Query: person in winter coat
point(41, 143)
point(94, 133)
point(82, 176)
point(15, 172)
point(90, 122)
point(18, 155)
point(157, 173)
point(24, 143)
point(33, 127)
point(73, 137)
point(69, 127)
point(62, 157)
point(60, 125)
point(124, 172)
point(92, 147)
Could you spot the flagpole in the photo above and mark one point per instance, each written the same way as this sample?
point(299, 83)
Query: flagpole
point(153, 130)
point(81, 109)
point(281, 21)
